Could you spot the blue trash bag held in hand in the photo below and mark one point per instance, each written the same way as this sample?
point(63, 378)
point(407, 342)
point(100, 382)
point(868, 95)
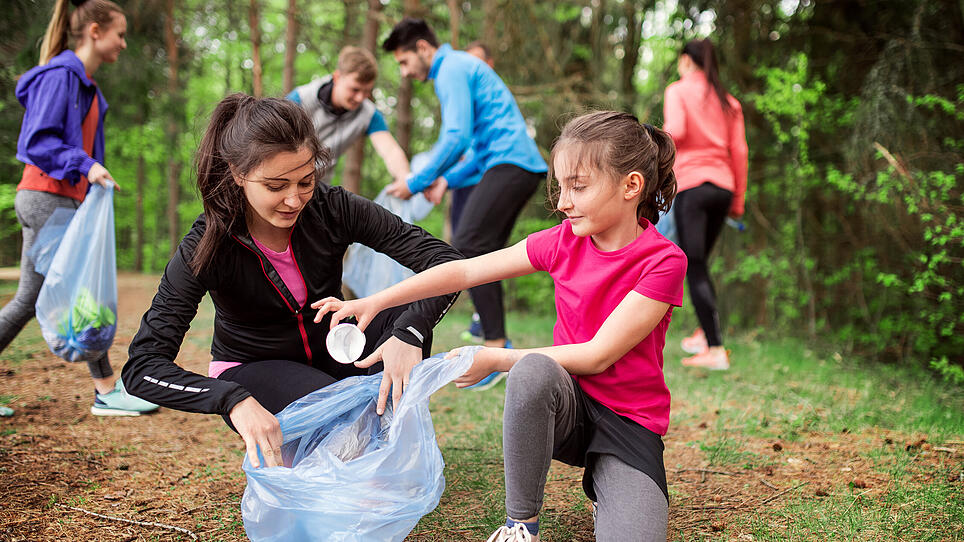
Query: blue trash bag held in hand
point(48, 239)
point(351, 475)
point(367, 271)
point(77, 305)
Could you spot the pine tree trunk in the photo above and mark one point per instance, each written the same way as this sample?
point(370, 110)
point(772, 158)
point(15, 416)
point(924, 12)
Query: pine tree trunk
point(291, 45)
point(173, 166)
point(254, 23)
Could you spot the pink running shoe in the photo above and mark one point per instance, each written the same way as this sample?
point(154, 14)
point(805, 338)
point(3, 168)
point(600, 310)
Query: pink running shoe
point(714, 360)
point(695, 343)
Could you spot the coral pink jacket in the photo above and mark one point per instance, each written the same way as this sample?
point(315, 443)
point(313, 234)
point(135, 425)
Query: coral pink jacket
point(710, 144)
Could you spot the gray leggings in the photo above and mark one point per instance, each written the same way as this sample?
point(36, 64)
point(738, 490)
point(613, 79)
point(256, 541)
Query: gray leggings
point(541, 409)
point(33, 209)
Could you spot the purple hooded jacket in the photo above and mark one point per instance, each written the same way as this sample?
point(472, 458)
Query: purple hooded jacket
point(57, 97)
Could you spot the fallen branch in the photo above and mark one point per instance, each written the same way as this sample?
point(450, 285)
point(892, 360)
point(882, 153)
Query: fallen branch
point(798, 486)
point(706, 471)
point(142, 523)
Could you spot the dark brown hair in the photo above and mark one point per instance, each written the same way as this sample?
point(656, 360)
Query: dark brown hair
point(703, 55)
point(406, 34)
point(87, 12)
point(616, 144)
point(244, 132)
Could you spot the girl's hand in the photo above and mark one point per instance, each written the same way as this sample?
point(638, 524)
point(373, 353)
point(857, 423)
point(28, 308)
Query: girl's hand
point(258, 427)
point(485, 362)
point(98, 174)
point(362, 309)
point(399, 357)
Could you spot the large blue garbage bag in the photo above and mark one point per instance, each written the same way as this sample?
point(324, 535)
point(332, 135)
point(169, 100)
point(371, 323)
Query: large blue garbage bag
point(367, 271)
point(77, 305)
point(351, 475)
point(48, 239)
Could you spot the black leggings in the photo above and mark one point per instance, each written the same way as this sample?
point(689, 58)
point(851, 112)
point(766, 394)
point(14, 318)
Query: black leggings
point(484, 226)
point(277, 383)
point(700, 213)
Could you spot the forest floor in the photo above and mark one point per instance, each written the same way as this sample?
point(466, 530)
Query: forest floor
point(738, 468)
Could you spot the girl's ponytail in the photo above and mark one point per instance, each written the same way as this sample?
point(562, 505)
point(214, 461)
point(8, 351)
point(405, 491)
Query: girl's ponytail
point(61, 23)
point(704, 56)
point(665, 190)
point(244, 132)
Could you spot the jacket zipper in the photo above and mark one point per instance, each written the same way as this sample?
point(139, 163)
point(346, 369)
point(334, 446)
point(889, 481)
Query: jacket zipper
point(297, 312)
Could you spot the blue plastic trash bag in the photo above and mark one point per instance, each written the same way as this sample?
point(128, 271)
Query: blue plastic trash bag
point(351, 475)
point(48, 239)
point(77, 305)
point(667, 225)
point(367, 271)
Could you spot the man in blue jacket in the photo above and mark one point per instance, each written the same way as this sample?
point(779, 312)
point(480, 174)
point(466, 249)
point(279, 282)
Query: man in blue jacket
point(478, 111)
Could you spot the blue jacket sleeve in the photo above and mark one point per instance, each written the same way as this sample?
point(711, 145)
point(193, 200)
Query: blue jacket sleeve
point(466, 173)
point(455, 97)
point(43, 127)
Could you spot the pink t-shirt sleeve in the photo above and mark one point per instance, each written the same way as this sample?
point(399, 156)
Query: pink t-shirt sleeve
point(662, 280)
point(542, 247)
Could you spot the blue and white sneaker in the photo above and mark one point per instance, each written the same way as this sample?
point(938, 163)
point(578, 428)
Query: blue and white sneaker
point(474, 333)
point(492, 379)
point(5, 412)
point(120, 403)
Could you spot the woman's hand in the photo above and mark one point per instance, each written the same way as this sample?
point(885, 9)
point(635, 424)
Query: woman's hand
point(399, 358)
point(258, 427)
point(362, 309)
point(485, 362)
point(98, 174)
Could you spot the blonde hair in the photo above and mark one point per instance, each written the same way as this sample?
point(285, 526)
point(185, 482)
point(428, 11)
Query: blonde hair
point(358, 61)
point(86, 12)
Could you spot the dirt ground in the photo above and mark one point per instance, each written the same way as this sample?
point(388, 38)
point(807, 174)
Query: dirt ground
point(174, 469)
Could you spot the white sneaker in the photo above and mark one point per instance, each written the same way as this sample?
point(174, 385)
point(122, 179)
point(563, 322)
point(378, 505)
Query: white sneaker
point(518, 533)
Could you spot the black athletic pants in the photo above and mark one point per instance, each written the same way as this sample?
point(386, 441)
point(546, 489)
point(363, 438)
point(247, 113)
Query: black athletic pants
point(278, 383)
point(700, 213)
point(484, 226)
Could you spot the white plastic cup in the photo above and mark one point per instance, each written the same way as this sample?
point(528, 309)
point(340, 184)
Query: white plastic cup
point(345, 343)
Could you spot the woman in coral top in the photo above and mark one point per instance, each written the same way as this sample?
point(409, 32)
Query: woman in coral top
point(62, 147)
point(706, 124)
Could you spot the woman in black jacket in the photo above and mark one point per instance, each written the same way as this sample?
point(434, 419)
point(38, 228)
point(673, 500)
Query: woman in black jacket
point(270, 242)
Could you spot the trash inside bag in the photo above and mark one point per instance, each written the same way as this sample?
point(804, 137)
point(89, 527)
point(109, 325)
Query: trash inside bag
point(351, 475)
point(48, 239)
point(77, 304)
point(367, 271)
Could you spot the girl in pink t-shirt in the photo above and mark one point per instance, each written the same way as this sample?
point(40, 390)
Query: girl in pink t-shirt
point(597, 397)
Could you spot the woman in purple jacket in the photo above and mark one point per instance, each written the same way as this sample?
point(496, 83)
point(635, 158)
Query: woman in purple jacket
point(62, 146)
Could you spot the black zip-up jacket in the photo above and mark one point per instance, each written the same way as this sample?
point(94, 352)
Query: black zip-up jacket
point(256, 316)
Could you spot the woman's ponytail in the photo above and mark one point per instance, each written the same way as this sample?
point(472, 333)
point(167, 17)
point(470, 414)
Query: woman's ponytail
point(704, 56)
point(64, 25)
point(55, 39)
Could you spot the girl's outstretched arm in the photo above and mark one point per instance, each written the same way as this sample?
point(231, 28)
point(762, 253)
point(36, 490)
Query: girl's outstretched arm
point(442, 279)
point(630, 322)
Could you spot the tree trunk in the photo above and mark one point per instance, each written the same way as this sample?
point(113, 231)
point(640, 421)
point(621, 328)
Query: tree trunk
point(139, 216)
point(404, 109)
point(351, 179)
point(254, 23)
point(632, 11)
point(173, 166)
point(291, 45)
point(455, 14)
point(489, 9)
